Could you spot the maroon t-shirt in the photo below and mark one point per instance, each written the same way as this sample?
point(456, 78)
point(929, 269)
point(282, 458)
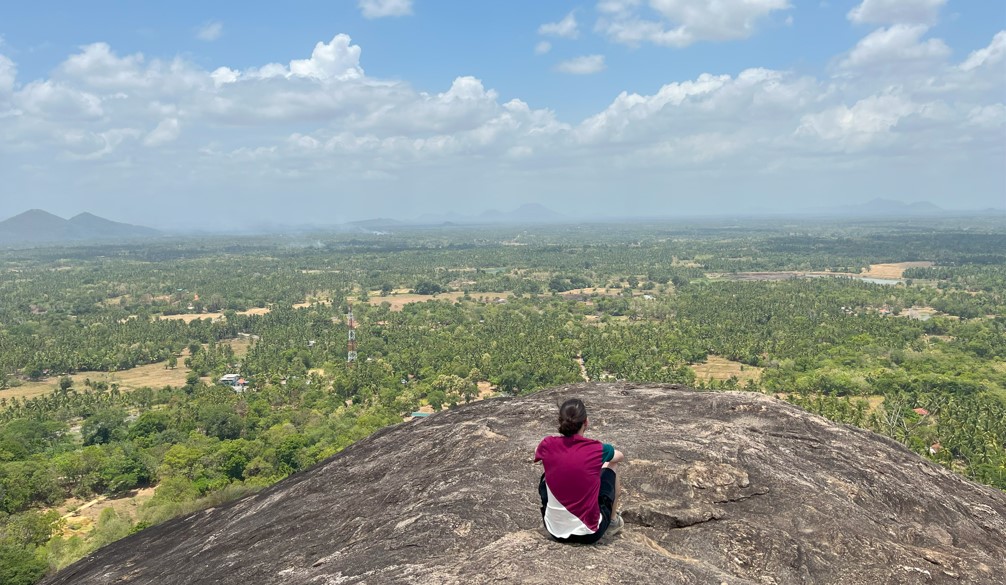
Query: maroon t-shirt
point(573, 474)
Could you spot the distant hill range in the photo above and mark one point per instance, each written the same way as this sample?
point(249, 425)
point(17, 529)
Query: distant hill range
point(36, 227)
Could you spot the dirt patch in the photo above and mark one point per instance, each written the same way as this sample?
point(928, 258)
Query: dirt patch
point(919, 313)
point(240, 345)
point(894, 270)
point(80, 517)
point(718, 368)
point(190, 317)
point(317, 297)
point(486, 390)
point(601, 291)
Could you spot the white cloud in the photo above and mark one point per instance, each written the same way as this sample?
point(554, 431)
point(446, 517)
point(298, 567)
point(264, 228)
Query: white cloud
point(565, 28)
point(96, 65)
point(542, 47)
point(210, 31)
point(222, 75)
point(990, 116)
point(383, 8)
point(679, 23)
point(896, 46)
point(321, 121)
point(91, 146)
point(585, 65)
point(50, 100)
point(8, 75)
point(857, 126)
point(339, 59)
point(896, 12)
point(990, 55)
point(165, 132)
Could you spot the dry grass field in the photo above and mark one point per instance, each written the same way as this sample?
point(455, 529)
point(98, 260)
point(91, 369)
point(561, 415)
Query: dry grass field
point(893, 271)
point(80, 517)
point(718, 368)
point(398, 300)
point(320, 297)
point(486, 390)
point(190, 317)
point(151, 375)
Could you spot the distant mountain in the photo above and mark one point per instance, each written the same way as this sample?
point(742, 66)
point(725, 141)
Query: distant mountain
point(36, 226)
point(91, 226)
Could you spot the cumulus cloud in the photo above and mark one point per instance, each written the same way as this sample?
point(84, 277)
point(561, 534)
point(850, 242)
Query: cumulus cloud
point(990, 55)
point(97, 65)
point(585, 65)
point(210, 31)
point(338, 59)
point(165, 132)
point(542, 47)
point(321, 121)
point(50, 100)
point(896, 45)
point(566, 28)
point(8, 75)
point(857, 126)
point(679, 23)
point(384, 8)
point(896, 12)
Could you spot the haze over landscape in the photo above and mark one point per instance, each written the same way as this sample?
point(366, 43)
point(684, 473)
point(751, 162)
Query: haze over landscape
point(191, 115)
point(261, 260)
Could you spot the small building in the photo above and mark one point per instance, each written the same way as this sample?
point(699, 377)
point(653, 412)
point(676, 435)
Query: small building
point(235, 381)
point(921, 411)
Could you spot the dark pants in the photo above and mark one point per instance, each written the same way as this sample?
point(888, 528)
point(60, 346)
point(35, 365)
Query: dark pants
point(605, 499)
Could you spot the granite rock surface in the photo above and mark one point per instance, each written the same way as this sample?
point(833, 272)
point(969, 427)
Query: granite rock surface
point(722, 488)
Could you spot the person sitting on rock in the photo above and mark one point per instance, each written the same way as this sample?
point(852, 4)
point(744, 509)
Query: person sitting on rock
point(579, 489)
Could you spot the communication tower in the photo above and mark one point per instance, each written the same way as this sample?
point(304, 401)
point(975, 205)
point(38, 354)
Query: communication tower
point(351, 343)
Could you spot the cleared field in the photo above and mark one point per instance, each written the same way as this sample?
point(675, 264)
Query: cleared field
point(190, 317)
point(240, 345)
point(486, 390)
point(151, 375)
point(320, 297)
point(399, 300)
point(894, 270)
point(718, 368)
point(605, 292)
point(80, 517)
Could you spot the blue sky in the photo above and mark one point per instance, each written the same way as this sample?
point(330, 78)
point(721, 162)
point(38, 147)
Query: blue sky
point(254, 111)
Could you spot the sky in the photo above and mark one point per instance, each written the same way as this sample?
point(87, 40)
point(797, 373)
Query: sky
point(203, 114)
